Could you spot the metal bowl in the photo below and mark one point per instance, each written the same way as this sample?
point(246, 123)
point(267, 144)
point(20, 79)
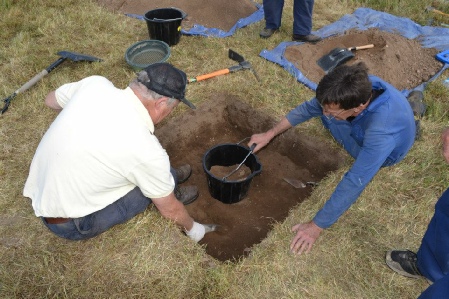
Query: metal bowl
point(143, 53)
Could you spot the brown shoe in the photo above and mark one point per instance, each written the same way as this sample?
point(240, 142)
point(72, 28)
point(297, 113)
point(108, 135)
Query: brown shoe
point(266, 33)
point(186, 194)
point(310, 38)
point(183, 173)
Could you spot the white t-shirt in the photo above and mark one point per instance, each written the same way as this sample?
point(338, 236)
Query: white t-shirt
point(100, 147)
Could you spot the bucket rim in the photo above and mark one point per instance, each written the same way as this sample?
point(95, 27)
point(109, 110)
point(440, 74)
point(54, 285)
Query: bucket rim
point(249, 177)
point(183, 14)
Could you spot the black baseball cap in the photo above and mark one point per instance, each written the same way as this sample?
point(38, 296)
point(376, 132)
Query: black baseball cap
point(168, 81)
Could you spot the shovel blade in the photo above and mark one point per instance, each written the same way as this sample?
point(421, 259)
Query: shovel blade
point(77, 56)
point(334, 58)
point(235, 56)
point(295, 183)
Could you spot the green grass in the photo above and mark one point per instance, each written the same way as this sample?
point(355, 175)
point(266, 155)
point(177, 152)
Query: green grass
point(148, 257)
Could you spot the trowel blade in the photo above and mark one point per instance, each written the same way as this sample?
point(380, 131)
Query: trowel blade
point(211, 227)
point(295, 183)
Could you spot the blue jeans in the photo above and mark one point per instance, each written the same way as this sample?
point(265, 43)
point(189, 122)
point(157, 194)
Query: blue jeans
point(433, 254)
point(120, 211)
point(302, 15)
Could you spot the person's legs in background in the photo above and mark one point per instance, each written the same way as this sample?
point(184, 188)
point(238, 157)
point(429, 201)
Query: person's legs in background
point(273, 16)
point(302, 21)
point(302, 17)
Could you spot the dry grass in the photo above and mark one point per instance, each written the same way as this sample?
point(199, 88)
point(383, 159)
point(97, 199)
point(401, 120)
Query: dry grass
point(148, 257)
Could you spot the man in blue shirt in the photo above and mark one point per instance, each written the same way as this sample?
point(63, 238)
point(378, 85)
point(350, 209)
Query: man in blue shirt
point(373, 122)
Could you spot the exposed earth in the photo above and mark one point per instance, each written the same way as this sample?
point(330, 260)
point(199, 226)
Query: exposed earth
point(398, 60)
point(269, 199)
point(209, 13)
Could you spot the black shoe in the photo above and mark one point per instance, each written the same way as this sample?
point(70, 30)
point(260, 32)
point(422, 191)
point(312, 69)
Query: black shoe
point(416, 100)
point(183, 173)
point(310, 38)
point(403, 262)
point(186, 194)
point(266, 33)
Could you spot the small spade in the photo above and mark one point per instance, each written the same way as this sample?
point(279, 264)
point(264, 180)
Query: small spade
point(295, 183)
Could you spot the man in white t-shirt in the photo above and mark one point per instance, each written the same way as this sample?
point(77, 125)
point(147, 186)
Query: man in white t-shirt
point(100, 164)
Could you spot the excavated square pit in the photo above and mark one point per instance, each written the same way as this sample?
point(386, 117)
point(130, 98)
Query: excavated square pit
point(226, 119)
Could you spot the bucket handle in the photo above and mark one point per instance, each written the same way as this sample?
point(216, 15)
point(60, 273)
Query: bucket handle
point(253, 146)
point(183, 16)
point(166, 20)
point(246, 138)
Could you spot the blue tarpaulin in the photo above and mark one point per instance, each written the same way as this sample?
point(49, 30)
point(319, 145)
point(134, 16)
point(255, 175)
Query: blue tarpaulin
point(363, 19)
point(198, 29)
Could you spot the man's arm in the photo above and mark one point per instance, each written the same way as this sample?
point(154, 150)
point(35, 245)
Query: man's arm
point(365, 167)
point(51, 101)
point(299, 114)
point(174, 210)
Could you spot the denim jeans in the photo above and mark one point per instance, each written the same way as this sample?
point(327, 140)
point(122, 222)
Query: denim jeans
point(433, 254)
point(120, 211)
point(302, 15)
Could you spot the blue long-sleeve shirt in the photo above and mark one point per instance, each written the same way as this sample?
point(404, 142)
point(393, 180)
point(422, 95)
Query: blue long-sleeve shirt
point(385, 132)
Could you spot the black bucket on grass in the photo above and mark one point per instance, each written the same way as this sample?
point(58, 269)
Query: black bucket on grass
point(165, 24)
point(229, 154)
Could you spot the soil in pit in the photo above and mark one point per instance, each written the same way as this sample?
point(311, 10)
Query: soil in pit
point(208, 13)
point(400, 61)
point(226, 119)
point(231, 173)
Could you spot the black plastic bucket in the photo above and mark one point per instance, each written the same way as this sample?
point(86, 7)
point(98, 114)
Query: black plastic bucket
point(227, 155)
point(165, 24)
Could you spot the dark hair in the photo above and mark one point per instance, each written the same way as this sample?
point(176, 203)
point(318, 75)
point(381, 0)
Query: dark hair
point(347, 85)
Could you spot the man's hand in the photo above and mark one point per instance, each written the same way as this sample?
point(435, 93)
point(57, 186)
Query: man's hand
point(445, 139)
point(306, 235)
point(261, 140)
point(198, 230)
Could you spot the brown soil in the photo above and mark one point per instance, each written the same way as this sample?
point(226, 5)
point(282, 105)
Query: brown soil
point(270, 197)
point(209, 13)
point(229, 172)
point(400, 61)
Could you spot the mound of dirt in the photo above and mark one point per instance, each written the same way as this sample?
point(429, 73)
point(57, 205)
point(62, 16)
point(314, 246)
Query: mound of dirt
point(400, 61)
point(209, 13)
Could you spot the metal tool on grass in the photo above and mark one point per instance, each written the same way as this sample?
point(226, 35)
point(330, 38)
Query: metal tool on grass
point(243, 65)
point(64, 56)
point(253, 146)
point(338, 56)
